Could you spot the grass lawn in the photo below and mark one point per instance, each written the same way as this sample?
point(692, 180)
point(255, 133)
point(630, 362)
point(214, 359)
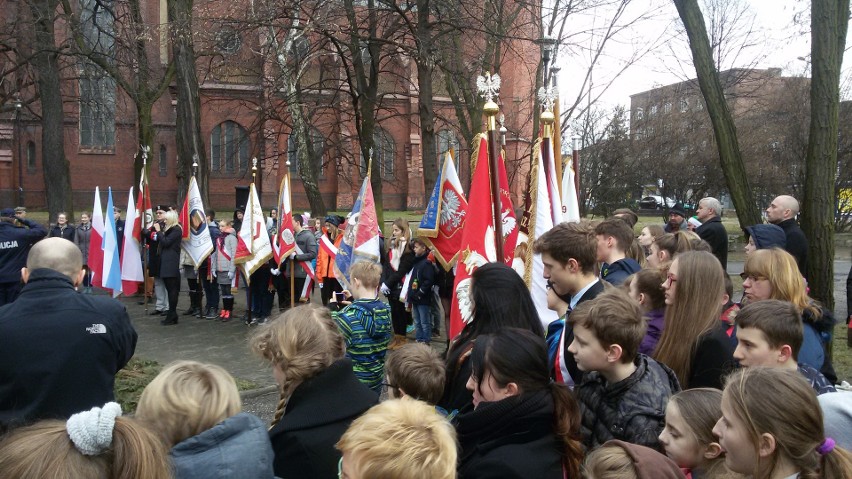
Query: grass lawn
point(130, 381)
point(841, 353)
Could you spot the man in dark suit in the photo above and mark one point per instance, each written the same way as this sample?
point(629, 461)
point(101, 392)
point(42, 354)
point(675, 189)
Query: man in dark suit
point(782, 212)
point(709, 213)
point(569, 254)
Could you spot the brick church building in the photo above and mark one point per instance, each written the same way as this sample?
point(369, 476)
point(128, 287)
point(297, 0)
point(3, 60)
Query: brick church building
point(100, 122)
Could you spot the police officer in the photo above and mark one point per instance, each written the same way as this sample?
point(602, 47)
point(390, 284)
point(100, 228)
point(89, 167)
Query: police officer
point(16, 237)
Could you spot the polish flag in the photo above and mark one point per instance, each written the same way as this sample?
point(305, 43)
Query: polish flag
point(96, 242)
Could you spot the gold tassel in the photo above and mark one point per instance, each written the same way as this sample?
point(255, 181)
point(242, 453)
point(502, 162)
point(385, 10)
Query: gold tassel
point(475, 154)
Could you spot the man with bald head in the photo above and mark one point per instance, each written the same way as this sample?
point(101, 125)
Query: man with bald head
point(59, 349)
point(782, 212)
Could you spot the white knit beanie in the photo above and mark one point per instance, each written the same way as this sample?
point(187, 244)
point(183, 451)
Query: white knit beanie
point(91, 431)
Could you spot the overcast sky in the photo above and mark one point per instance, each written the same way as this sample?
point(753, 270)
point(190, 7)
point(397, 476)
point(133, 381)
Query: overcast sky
point(776, 41)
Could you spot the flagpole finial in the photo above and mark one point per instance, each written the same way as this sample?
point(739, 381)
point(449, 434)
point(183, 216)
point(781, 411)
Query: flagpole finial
point(253, 168)
point(195, 164)
point(370, 162)
point(145, 150)
point(488, 87)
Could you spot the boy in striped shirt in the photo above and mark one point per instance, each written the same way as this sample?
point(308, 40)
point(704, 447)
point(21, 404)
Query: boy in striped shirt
point(365, 324)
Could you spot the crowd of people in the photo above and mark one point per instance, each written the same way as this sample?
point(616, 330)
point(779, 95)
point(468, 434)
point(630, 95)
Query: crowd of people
point(653, 369)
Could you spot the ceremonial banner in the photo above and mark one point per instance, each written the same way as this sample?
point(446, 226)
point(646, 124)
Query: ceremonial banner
point(443, 220)
point(570, 206)
point(545, 212)
point(196, 239)
point(361, 236)
point(477, 244)
point(284, 241)
point(253, 246)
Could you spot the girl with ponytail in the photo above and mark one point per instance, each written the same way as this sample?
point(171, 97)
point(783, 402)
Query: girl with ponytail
point(772, 428)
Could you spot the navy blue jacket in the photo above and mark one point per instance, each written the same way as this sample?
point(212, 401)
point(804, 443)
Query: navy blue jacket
point(617, 272)
point(236, 447)
point(15, 242)
point(59, 350)
point(423, 275)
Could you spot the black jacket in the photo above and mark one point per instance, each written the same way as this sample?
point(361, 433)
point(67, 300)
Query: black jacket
point(797, 244)
point(632, 410)
point(393, 279)
point(170, 252)
point(713, 359)
point(511, 438)
point(152, 240)
point(422, 280)
point(66, 233)
point(318, 413)
point(59, 350)
point(15, 242)
point(714, 233)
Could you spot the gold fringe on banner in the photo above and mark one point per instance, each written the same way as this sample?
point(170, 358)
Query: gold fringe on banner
point(528, 258)
point(475, 154)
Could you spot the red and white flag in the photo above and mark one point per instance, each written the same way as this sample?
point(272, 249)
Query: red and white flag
point(443, 221)
point(253, 245)
point(131, 255)
point(96, 242)
point(478, 246)
point(284, 241)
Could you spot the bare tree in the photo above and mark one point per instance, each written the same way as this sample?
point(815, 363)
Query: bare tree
point(720, 115)
point(57, 175)
point(829, 23)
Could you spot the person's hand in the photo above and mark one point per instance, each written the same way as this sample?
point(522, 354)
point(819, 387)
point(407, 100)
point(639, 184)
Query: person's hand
point(384, 289)
point(156, 227)
point(320, 284)
point(230, 275)
point(275, 272)
point(213, 273)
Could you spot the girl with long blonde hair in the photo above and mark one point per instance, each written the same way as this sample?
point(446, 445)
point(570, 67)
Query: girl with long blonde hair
point(320, 395)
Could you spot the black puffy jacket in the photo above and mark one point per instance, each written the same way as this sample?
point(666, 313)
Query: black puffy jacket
point(631, 410)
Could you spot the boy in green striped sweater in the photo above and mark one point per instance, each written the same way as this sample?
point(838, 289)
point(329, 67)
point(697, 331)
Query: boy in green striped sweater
point(365, 324)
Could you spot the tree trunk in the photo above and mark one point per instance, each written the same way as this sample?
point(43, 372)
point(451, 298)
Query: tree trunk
point(190, 145)
point(57, 177)
point(829, 21)
point(307, 158)
point(720, 116)
point(425, 109)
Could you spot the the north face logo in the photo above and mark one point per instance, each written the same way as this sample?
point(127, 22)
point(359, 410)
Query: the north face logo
point(96, 329)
